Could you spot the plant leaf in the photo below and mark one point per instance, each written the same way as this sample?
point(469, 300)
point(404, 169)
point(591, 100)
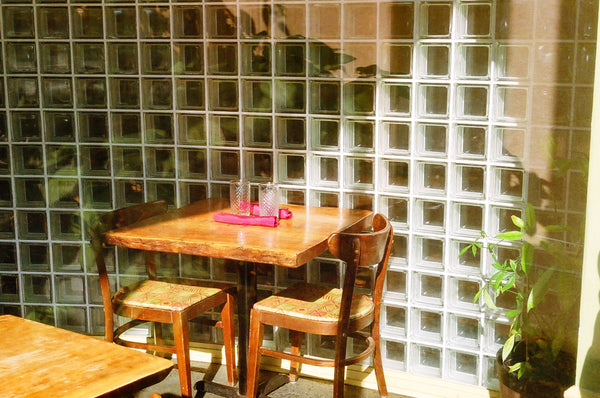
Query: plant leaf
point(539, 289)
point(464, 250)
point(510, 282)
point(526, 257)
point(530, 217)
point(509, 344)
point(487, 299)
point(510, 235)
point(513, 313)
point(518, 222)
point(515, 367)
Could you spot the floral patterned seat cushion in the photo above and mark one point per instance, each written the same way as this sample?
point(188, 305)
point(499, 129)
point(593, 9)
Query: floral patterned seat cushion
point(316, 302)
point(162, 295)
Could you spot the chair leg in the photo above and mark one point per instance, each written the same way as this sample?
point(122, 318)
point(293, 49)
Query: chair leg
point(229, 338)
point(378, 363)
point(255, 342)
point(339, 372)
point(182, 348)
point(296, 344)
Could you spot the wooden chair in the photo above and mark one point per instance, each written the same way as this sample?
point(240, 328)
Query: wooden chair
point(315, 309)
point(161, 301)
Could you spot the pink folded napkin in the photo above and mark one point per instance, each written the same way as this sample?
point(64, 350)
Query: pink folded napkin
point(284, 214)
point(265, 221)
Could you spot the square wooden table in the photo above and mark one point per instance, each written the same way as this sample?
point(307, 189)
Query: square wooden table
point(37, 360)
point(192, 230)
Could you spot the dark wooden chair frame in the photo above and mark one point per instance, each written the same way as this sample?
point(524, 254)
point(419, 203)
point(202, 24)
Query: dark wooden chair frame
point(141, 314)
point(357, 250)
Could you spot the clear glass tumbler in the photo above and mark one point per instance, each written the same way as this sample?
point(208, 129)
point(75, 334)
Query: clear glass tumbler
point(239, 197)
point(268, 199)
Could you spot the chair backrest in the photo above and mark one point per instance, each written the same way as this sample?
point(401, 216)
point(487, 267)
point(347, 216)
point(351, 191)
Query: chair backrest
point(112, 220)
point(363, 249)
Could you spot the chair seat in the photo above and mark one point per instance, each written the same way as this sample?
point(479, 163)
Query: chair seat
point(314, 302)
point(162, 295)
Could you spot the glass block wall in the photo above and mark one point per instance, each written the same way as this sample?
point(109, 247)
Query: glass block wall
point(446, 116)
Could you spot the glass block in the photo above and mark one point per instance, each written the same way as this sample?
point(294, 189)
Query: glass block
point(509, 183)
point(290, 21)
point(463, 367)
point(160, 162)
point(189, 58)
point(501, 218)
point(124, 93)
point(57, 93)
point(292, 196)
point(192, 192)
point(471, 181)
point(72, 318)
point(325, 134)
point(432, 177)
point(291, 132)
point(427, 325)
point(18, 22)
point(129, 192)
point(399, 252)
point(324, 21)
point(192, 163)
point(69, 289)
point(469, 218)
point(95, 161)
point(325, 99)
point(325, 171)
point(223, 95)
point(326, 59)
point(258, 131)
point(97, 194)
point(221, 22)
point(93, 127)
point(359, 99)
point(358, 21)
point(428, 289)
point(90, 92)
point(222, 59)
point(258, 166)
point(435, 61)
point(433, 139)
point(255, 21)
point(157, 93)
point(256, 95)
point(513, 61)
point(5, 159)
point(463, 331)
point(360, 136)
point(35, 257)
point(324, 199)
point(192, 129)
point(225, 165)
point(63, 192)
point(461, 293)
point(87, 22)
point(472, 102)
point(59, 126)
point(359, 173)
point(396, 99)
point(224, 130)
point(475, 61)
point(156, 58)
point(123, 58)
point(163, 191)
point(5, 192)
point(7, 224)
point(155, 22)
point(291, 168)
point(158, 128)
point(21, 57)
point(23, 92)
point(512, 103)
point(290, 59)
point(37, 289)
point(396, 59)
point(121, 22)
point(31, 192)
point(396, 319)
point(61, 159)
point(395, 175)
point(187, 22)
point(190, 93)
point(395, 138)
point(395, 209)
point(127, 161)
point(290, 96)
point(89, 57)
point(434, 100)
point(358, 201)
point(477, 19)
point(436, 20)
point(28, 159)
point(395, 351)
point(430, 215)
point(126, 127)
point(471, 141)
point(53, 22)
point(8, 257)
point(32, 224)
point(553, 63)
point(195, 267)
point(26, 126)
point(468, 263)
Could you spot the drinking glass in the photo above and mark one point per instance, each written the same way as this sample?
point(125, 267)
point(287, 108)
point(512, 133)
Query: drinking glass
point(239, 197)
point(268, 199)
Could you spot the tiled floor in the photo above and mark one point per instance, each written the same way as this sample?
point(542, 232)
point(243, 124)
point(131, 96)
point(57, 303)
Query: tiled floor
point(303, 388)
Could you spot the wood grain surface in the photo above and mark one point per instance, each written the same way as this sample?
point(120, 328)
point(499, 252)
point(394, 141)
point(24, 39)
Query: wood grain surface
point(38, 360)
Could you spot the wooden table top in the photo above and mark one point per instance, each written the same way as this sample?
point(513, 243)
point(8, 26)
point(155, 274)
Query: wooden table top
point(192, 230)
point(38, 360)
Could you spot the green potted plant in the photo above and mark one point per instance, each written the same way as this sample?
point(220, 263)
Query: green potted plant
point(538, 290)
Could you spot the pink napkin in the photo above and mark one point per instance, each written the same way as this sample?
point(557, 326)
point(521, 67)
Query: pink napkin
point(265, 221)
point(284, 214)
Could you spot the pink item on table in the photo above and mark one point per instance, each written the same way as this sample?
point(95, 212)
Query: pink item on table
point(284, 214)
point(268, 221)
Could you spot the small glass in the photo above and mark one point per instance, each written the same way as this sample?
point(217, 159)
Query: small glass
point(268, 199)
point(239, 197)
